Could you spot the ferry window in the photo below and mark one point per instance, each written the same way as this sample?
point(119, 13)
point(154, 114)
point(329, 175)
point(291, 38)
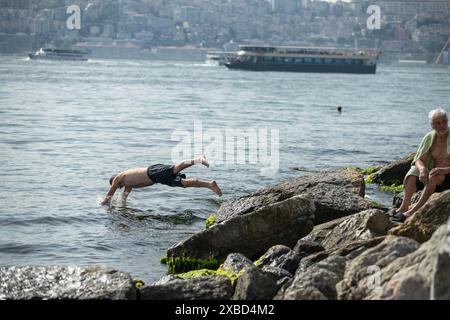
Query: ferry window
point(358, 61)
point(348, 61)
point(328, 61)
point(288, 60)
point(299, 60)
point(318, 60)
point(308, 60)
point(278, 59)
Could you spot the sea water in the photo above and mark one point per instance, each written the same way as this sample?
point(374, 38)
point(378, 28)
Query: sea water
point(66, 127)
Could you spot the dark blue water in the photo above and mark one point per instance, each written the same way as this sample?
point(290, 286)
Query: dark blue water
point(66, 127)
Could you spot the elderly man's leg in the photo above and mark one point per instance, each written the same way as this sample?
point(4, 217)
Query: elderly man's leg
point(429, 189)
point(410, 188)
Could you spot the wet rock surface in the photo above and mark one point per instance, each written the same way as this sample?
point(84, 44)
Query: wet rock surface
point(56, 282)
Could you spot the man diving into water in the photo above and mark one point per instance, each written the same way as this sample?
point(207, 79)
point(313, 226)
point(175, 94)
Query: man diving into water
point(158, 173)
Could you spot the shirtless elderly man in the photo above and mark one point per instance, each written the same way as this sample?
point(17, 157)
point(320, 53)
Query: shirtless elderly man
point(430, 169)
point(158, 173)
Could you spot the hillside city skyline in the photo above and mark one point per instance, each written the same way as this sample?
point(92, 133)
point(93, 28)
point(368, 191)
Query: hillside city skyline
point(139, 28)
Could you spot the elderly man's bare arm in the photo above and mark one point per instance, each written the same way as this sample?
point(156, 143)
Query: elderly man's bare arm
point(439, 171)
point(423, 171)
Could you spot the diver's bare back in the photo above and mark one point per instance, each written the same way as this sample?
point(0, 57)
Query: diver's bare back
point(135, 178)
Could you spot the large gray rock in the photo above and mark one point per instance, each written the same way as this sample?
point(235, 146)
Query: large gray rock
point(362, 278)
point(317, 282)
point(365, 225)
point(336, 194)
point(405, 285)
point(421, 225)
point(415, 270)
point(58, 282)
point(347, 237)
point(252, 234)
point(255, 284)
point(393, 172)
point(200, 288)
point(440, 286)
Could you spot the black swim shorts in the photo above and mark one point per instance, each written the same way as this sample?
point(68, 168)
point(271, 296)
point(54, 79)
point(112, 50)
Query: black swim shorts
point(439, 188)
point(161, 173)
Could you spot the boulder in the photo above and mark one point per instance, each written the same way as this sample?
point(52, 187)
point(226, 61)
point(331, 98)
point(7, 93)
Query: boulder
point(347, 237)
point(362, 276)
point(317, 282)
point(255, 284)
point(364, 225)
point(393, 172)
point(440, 286)
point(279, 256)
point(201, 288)
point(417, 269)
point(60, 282)
point(421, 225)
point(252, 234)
point(335, 194)
point(406, 285)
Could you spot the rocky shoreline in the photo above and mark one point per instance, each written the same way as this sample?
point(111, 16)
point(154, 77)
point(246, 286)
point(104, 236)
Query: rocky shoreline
point(311, 237)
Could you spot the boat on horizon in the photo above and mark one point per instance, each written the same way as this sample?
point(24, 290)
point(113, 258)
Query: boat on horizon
point(59, 54)
point(304, 59)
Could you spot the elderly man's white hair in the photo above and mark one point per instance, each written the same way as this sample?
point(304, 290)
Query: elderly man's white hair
point(437, 113)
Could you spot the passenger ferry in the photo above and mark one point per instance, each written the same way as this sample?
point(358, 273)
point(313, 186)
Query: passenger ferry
point(59, 54)
point(303, 59)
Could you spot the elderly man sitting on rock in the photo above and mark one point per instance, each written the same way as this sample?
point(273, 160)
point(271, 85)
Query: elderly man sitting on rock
point(430, 169)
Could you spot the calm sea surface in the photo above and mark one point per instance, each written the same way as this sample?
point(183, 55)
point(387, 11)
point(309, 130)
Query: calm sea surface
point(65, 127)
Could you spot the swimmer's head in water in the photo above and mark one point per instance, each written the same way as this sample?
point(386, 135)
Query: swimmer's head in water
point(112, 179)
